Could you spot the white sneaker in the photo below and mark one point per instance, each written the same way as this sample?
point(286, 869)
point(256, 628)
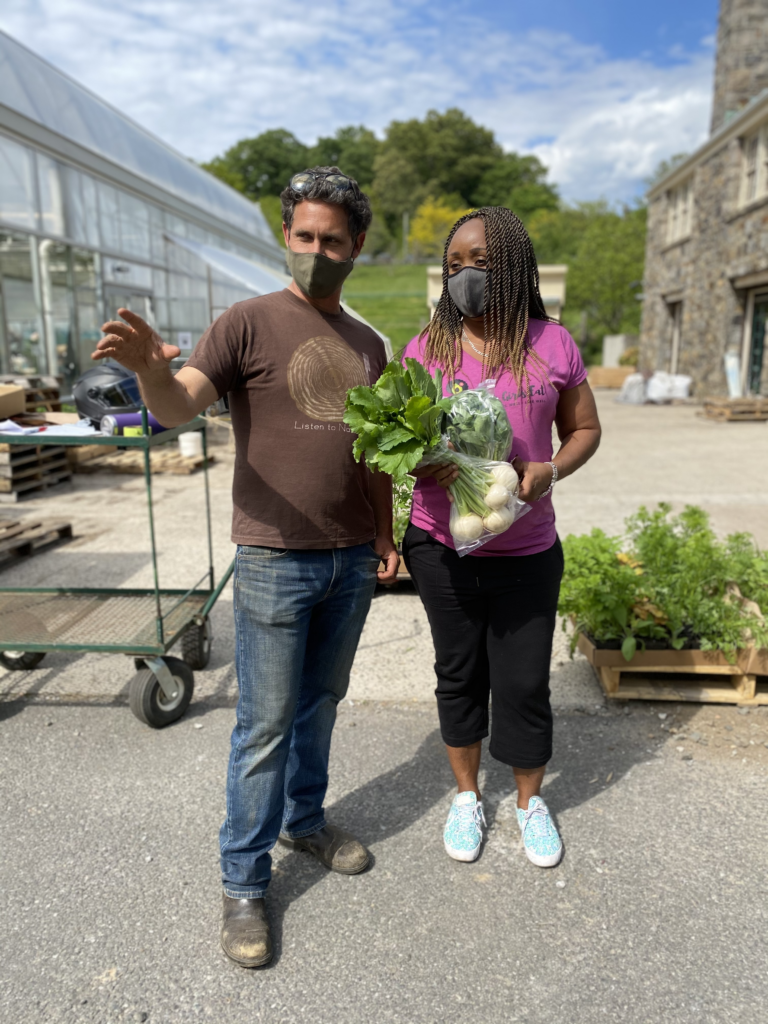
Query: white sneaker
point(463, 833)
point(543, 845)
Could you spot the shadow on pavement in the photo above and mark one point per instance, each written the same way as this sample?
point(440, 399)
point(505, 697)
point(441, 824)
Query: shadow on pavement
point(9, 708)
point(374, 812)
point(592, 754)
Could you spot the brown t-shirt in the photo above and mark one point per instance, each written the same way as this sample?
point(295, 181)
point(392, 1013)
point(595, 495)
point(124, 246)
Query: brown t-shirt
point(287, 368)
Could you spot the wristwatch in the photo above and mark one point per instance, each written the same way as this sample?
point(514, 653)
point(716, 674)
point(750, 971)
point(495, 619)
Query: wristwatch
point(552, 482)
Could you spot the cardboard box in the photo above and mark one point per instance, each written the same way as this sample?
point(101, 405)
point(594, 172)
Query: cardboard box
point(13, 400)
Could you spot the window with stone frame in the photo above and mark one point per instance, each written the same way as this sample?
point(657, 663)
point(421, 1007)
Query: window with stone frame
point(679, 211)
point(754, 173)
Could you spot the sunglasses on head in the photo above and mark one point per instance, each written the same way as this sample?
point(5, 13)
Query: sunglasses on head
point(304, 180)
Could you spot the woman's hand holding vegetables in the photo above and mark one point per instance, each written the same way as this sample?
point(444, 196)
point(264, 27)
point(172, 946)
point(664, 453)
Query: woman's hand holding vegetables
point(444, 473)
point(535, 478)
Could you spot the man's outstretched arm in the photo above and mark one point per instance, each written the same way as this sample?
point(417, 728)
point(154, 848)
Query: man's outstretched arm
point(172, 400)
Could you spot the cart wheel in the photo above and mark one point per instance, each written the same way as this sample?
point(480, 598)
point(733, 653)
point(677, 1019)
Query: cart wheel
point(19, 660)
point(196, 645)
point(148, 702)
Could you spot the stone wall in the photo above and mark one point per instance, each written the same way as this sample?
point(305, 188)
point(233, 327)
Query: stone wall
point(724, 244)
point(742, 57)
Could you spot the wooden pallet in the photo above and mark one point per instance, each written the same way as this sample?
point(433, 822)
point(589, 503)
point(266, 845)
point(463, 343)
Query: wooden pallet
point(132, 462)
point(700, 676)
point(40, 391)
point(77, 454)
point(736, 410)
point(35, 467)
point(19, 539)
point(609, 376)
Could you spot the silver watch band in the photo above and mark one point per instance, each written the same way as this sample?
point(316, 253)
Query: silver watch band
point(552, 482)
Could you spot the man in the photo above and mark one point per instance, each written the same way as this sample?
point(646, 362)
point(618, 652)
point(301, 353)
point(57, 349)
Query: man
point(311, 527)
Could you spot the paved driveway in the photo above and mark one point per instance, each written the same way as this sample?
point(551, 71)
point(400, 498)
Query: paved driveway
point(109, 830)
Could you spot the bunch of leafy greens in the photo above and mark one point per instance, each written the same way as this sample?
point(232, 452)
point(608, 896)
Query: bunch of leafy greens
point(478, 425)
point(398, 419)
point(669, 580)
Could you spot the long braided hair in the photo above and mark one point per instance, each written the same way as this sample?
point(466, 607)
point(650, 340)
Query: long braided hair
point(511, 297)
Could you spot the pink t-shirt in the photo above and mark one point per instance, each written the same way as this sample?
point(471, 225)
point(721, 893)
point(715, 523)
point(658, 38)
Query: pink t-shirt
point(532, 428)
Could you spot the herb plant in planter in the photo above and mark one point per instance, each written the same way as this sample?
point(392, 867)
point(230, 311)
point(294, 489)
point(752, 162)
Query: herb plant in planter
point(669, 583)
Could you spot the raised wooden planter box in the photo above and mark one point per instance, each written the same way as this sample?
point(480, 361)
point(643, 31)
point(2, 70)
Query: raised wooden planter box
point(680, 675)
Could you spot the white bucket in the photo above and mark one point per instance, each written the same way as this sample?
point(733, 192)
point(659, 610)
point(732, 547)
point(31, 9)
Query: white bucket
point(191, 444)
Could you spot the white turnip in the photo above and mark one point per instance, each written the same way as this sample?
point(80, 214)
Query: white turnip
point(499, 520)
point(505, 475)
point(497, 496)
point(466, 529)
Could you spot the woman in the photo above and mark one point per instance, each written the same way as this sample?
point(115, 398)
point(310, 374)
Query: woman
point(492, 613)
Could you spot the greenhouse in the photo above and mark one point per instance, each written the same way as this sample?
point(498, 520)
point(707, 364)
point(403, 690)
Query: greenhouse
point(96, 213)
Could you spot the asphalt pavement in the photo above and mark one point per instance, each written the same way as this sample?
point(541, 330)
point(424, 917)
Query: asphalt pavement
point(109, 866)
point(656, 914)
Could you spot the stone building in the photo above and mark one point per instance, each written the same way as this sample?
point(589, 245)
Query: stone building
point(706, 277)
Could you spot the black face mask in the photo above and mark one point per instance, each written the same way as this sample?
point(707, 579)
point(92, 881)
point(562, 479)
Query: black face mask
point(467, 289)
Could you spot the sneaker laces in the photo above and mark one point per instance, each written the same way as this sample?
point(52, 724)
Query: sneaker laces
point(537, 817)
point(470, 818)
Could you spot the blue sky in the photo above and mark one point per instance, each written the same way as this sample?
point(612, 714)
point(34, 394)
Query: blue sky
point(600, 91)
point(654, 29)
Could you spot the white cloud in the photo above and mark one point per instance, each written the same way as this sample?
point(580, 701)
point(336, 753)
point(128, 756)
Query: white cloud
point(202, 75)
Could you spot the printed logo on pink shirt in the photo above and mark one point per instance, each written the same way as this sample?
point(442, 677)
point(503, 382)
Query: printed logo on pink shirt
point(536, 394)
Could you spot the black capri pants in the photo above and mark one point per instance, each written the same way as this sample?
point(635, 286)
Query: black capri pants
point(492, 620)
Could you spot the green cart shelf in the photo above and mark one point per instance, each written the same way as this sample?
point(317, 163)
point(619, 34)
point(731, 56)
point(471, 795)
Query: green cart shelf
point(144, 624)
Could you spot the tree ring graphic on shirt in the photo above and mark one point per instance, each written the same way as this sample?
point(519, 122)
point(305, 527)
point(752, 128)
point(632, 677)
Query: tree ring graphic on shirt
point(320, 373)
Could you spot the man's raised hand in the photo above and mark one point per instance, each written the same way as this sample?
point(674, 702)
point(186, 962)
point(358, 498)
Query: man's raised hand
point(135, 345)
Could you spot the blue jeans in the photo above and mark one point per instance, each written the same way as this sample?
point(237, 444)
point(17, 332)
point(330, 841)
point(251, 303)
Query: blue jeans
point(298, 620)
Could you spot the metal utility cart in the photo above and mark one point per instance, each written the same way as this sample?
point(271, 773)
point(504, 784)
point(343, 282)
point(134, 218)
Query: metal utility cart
point(144, 624)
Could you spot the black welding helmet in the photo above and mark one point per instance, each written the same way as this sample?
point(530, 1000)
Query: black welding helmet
point(106, 390)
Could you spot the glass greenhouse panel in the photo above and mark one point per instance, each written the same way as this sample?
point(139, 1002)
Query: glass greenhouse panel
point(51, 202)
point(134, 226)
point(109, 217)
point(23, 328)
point(17, 185)
point(129, 275)
point(85, 277)
point(38, 91)
point(58, 310)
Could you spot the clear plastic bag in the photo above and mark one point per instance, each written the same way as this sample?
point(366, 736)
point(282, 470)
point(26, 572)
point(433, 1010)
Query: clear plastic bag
point(485, 502)
point(477, 424)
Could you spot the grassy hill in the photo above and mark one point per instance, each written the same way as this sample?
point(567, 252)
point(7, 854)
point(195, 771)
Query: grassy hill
point(392, 298)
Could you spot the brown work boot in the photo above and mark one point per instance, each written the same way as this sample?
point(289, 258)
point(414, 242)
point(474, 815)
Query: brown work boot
point(245, 934)
point(337, 849)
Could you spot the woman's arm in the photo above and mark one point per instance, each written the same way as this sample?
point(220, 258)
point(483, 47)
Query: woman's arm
point(578, 428)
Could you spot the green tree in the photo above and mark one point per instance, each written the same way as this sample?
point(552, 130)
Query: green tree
point(397, 187)
point(261, 166)
point(556, 234)
point(431, 224)
point(445, 153)
point(352, 149)
point(605, 275)
point(518, 182)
